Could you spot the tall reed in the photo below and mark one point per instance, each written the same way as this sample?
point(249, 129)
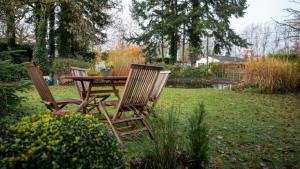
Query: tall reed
point(270, 74)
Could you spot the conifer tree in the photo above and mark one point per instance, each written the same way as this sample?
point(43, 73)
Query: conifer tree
point(199, 18)
point(210, 18)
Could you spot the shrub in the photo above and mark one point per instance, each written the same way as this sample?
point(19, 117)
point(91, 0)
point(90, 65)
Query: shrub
point(271, 74)
point(178, 70)
point(62, 66)
point(216, 68)
point(163, 152)
point(72, 141)
point(12, 80)
point(121, 58)
point(198, 139)
point(19, 54)
point(189, 82)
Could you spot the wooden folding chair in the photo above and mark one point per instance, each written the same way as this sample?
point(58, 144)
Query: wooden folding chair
point(157, 90)
point(139, 84)
point(82, 88)
point(38, 81)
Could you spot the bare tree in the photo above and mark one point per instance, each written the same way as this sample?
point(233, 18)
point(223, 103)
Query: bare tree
point(24, 32)
point(276, 38)
point(266, 34)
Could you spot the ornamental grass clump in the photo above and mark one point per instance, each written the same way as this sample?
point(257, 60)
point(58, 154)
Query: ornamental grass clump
point(270, 74)
point(121, 58)
point(165, 146)
point(198, 139)
point(72, 141)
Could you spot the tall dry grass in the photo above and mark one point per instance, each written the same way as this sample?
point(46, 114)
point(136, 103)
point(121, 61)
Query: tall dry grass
point(121, 58)
point(270, 74)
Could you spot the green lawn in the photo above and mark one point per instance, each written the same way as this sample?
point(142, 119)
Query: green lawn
point(247, 129)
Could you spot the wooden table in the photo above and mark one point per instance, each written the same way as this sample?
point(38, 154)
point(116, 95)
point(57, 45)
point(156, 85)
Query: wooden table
point(96, 81)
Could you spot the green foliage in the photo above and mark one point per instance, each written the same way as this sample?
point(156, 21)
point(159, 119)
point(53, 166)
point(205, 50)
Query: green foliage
point(20, 53)
point(198, 139)
point(63, 65)
point(72, 141)
point(161, 21)
point(214, 22)
point(160, 26)
point(11, 72)
point(194, 52)
point(76, 16)
point(179, 71)
point(40, 53)
point(166, 143)
point(12, 80)
point(216, 67)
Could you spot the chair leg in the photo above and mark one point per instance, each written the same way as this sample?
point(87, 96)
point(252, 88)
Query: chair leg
point(104, 112)
point(145, 124)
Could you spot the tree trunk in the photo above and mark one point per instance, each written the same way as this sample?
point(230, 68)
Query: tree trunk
point(51, 40)
point(162, 49)
point(11, 28)
point(64, 37)
point(183, 43)
point(174, 34)
point(173, 47)
point(194, 34)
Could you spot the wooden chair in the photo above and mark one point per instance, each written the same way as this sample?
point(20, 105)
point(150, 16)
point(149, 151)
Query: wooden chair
point(133, 102)
point(81, 88)
point(42, 88)
point(157, 90)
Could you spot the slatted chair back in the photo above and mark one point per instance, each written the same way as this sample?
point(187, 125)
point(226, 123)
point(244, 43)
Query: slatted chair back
point(139, 84)
point(76, 71)
point(159, 85)
point(41, 86)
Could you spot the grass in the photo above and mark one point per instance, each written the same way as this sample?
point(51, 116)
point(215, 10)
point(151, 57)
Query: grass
point(247, 129)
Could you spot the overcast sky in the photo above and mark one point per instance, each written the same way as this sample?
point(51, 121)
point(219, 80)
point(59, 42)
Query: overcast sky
point(258, 11)
point(261, 11)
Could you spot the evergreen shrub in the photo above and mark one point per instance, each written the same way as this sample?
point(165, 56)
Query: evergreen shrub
point(12, 80)
point(198, 139)
point(72, 141)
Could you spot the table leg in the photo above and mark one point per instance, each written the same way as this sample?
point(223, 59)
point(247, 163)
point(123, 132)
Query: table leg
point(86, 100)
point(82, 105)
point(115, 90)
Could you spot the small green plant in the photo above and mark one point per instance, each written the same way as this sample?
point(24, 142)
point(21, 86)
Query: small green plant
point(72, 141)
point(198, 139)
point(93, 72)
point(166, 143)
point(12, 80)
point(109, 65)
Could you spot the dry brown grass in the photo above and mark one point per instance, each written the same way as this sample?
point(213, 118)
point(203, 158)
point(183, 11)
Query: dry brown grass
point(271, 74)
point(121, 59)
